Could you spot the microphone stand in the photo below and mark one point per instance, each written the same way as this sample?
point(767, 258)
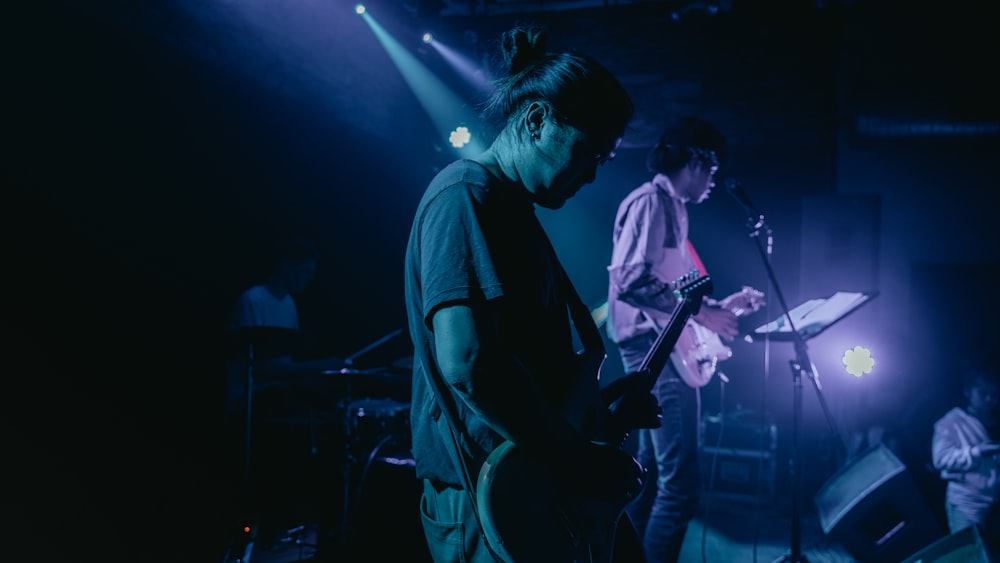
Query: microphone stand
point(800, 365)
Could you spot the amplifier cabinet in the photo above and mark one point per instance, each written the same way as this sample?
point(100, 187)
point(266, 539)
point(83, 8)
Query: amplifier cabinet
point(739, 474)
point(742, 447)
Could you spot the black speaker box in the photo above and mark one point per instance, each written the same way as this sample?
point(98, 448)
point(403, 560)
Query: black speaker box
point(965, 546)
point(873, 508)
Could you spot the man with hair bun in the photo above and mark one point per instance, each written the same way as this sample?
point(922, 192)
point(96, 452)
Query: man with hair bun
point(488, 303)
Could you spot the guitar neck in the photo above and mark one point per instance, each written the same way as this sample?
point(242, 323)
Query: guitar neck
point(689, 296)
point(658, 356)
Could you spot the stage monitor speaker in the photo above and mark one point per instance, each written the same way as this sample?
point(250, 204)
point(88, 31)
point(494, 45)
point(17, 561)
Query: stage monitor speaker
point(965, 546)
point(873, 508)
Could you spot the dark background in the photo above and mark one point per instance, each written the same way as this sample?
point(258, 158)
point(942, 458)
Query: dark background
point(157, 153)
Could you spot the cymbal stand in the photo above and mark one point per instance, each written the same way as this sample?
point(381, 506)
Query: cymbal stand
point(349, 361)
point(349, 455)
point(349, 459)
point(248, 425)
point(246, 534)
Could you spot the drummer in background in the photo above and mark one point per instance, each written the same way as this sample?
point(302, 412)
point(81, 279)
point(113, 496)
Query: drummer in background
point(271, 305)
point(265, 321)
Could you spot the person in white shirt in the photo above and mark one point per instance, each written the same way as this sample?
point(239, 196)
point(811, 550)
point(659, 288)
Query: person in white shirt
point(966, 450)
point(272, 303)
point(267, 316)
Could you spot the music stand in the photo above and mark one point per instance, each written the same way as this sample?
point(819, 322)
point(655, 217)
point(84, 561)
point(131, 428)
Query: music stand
point(802, 323)
point(821, 314)
point(814, 316)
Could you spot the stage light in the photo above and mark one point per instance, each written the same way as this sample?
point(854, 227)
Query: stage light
point(428, 38)
point(459, 137)
point(359, 9)
point(466, 67)
point(444, 107)
point(858, 361)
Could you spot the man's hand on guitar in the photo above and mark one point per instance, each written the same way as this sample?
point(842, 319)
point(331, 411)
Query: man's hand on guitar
point(630, 406)
point(719, 320)
point(636, 409)
point(745, 301)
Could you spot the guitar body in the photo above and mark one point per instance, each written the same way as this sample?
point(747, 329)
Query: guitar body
point(530, 511)
point(698, 353)
point(699, 350)
point(531, 514)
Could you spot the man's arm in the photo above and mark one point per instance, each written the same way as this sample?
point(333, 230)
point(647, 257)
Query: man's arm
point(948, 452)
point(644, 237)
point(495, 385)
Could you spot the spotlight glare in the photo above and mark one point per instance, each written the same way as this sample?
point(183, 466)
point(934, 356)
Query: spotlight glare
point(858, 361)
point(428, 38)
point(460, 137)
point(359, 9)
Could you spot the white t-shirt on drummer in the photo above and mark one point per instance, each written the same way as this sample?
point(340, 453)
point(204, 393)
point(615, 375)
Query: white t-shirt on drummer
point(257, 306)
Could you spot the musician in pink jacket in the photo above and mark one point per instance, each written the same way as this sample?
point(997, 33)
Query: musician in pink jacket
point(650, 250)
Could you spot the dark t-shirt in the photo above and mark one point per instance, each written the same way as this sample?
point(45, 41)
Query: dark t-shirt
point(476, 239)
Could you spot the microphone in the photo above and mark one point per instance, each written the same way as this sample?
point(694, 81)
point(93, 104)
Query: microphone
point(736, 190)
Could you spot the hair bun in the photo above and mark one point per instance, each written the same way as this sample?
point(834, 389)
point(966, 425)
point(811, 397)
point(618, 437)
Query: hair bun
point(522, 46)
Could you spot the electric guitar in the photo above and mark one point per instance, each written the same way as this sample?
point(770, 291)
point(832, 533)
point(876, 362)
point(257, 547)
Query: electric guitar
point(531, 513)
point(699, 350)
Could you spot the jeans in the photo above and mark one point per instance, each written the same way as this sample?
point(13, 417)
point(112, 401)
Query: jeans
point(662, 512)
point(957, 519)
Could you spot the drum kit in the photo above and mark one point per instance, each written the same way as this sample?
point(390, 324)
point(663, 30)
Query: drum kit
point(369, 408)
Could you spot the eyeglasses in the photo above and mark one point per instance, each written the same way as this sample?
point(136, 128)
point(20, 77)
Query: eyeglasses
point(707, 158)
point(603, 156)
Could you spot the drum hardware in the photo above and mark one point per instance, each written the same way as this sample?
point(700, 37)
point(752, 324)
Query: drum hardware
point(350, 360)
point(298, 538)
point(371, 425)
point(251, 343)
point(374, 457)
point(258, 348)
point(387, 497)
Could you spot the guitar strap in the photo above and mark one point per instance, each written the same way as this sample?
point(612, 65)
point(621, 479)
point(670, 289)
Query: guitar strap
point(586, 328)
point(695, 259)
point(446, 402)
point(590, 337)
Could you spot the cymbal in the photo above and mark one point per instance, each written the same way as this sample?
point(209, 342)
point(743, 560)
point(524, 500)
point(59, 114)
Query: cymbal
point(285, 369)
point(326, 371)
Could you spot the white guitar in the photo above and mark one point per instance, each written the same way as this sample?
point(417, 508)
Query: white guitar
point(699, 350)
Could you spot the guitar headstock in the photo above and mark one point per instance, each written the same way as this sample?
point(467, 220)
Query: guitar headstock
point(691, 289)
